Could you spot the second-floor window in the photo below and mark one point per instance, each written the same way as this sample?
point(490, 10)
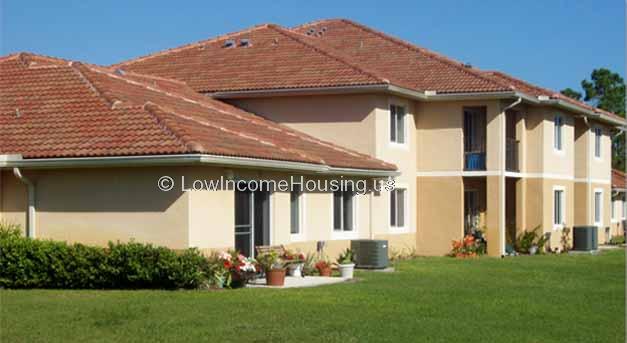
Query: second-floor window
point(597, 142)
point(397, 124)
point(557, 135)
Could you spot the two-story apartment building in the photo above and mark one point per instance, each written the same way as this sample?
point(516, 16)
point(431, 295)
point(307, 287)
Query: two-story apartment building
point(468, 149)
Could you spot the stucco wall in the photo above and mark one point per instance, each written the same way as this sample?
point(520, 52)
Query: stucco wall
point(440, 214)
point(360, 122)
point(345, 119)
point(13, 199)
point(94, 206)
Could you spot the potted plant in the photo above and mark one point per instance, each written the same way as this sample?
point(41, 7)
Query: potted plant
point(273, 268)
point(323, 267)
point(346, 264)
point(295, 263)
point(239, 268)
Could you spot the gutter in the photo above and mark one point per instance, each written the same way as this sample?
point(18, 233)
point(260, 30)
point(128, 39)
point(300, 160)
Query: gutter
point(30, 214)
point(416, 95)
point(16, 161)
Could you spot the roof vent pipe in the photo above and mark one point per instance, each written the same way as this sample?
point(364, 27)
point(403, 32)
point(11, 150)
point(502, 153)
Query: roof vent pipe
point(30, 213)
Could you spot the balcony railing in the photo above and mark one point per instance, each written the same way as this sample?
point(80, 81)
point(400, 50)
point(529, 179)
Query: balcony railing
point(474, 160)
point(511, 155)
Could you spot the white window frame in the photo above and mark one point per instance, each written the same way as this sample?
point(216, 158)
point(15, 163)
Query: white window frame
point(559, 150)
point(594, 199)
point(391, 142)
point(613, 218)
point(302, 212)
point(406, 206)
point(594, 143)
point(563, 209)
point(342, 234)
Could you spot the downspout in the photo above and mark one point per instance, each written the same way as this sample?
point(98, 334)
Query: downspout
point(502, 174)
point(370, 226)
point(30, 213)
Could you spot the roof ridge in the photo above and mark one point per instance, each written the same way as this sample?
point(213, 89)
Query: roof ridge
point(187, 46)
point(148, 76)
point(432, 54)
point(171, 127)
point(293, 35)
point(76, 68)
point(197, 147)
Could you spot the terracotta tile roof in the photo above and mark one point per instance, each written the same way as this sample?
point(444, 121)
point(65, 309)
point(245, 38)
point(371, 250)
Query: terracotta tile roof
point(276, 58)
point(536, 91)
point(325, 53)
point(404, 64)
point(52, 108)
point(619, 179)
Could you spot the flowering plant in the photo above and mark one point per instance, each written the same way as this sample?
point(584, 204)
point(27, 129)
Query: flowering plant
point(293, 257)
point(322, 264)
point(469, 246)
point(238, 268)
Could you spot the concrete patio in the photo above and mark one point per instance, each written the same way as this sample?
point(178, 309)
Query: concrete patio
point(299, 282)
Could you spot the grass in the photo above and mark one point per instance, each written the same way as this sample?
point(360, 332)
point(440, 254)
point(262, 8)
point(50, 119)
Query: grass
point(525, 299)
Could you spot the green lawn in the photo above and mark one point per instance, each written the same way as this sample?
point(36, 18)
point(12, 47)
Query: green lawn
point(523, 299)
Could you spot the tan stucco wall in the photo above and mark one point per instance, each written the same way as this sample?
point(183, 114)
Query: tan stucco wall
point(13, 199)
point(94, 206)
point(440, 141)
point(360, 122)
point(440, 214)
point(601, 168)
point(347, 119)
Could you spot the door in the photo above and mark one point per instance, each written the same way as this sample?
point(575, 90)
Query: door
point(471, 211)
point(252, 221)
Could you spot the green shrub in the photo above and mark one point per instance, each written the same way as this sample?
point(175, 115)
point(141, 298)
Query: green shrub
point(616, 240)
point(33, 263)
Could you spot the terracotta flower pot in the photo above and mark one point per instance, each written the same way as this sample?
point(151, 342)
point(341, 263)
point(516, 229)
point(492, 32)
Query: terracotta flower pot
point(275, 277)
point(325, 271)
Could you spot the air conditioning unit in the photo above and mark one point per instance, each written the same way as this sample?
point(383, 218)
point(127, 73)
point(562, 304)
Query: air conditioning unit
point(370, 253)
point(585, 238)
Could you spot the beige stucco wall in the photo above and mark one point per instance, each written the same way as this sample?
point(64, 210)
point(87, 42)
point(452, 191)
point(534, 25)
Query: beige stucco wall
point(94, 206)
point(439, 136)
point(346, 119)
point(360, 122)
point(440, 214)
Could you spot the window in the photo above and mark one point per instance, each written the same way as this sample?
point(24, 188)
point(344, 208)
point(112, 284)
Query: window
point(397, 124)
point(597, 142)
point(613, 210)
point(598, 207)
point(296, 209)
point(397, 207)
point(343, 206)
point(557, 134)
point(558, 208)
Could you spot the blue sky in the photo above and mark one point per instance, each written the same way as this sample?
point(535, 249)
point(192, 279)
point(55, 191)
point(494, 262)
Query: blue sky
point(554, 43)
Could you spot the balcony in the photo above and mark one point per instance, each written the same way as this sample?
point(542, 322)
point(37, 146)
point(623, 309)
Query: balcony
point(474, 160)
point(511, 155)
point(474, 138)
